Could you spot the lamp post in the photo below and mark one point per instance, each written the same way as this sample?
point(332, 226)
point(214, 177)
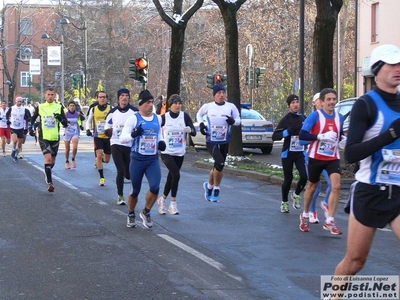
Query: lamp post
point(41, 76)
point(46, 36)
point(65, 21)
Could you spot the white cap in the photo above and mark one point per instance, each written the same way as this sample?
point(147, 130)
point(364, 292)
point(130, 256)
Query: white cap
point(389, 54)
point(315, 98)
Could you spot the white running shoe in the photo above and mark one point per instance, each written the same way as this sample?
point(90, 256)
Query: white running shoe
point(162, 209)
point(173, 209)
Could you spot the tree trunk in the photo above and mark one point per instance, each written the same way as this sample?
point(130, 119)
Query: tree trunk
point(324, 31)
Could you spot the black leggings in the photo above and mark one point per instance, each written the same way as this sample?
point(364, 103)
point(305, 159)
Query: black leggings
point(173, 164)
point(121, 156)
point(287, 164)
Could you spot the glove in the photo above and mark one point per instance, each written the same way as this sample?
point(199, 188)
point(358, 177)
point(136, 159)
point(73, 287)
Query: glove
point(88, 132)
point(329, 136)
point(8, 123)
point(394, 129)
point(230, 120)
point(342, 143)
point(31, 132)
point(1, 118)
point(187, 129)
point(81, 127)
point(203, 128)
point(58, 117)
point(137, 132)
point(161, 145)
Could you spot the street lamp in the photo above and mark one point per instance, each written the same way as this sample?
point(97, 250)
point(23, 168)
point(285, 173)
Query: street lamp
point(65, 21)
point(46, 36)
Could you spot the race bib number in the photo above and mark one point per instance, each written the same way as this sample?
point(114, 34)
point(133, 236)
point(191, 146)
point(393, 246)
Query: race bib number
point(218, 133)
point(118, 130)
point(327, 149)
point(71, 128)
point(295, 144)
point(49, 122)
point(100, 126)
point(175, 139)
point(17, 122)
point(148, 145)
point(389, 168)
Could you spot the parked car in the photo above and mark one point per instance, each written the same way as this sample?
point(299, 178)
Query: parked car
point(256, 131)
point(344, 107)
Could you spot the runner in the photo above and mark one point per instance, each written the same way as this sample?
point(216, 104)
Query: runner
point(176, 124)
point(120, 151)
point(71, 133)
point(51, 116)
point(97, 120)
point(5, 133)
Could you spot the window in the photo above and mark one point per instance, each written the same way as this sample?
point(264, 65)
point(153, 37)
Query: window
point(26, 79)
point(374, 22)
point(26, 27)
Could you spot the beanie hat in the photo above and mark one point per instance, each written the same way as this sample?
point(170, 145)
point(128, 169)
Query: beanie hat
point(174, 99)
point(290, 98)
point(218, 87)
point(123, 91)
point(144, 96)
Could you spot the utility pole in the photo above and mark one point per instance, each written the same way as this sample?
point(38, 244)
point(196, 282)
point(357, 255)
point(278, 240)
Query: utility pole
point(249, 53)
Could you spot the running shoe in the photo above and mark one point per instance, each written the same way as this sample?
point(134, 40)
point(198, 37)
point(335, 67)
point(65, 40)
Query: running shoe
point(304, 224)
point(102, 182)
point(207, 191)
point(121, 200)
point(284, 207)
point(173, 208)
point(215, 195)
point(313, 217)
point(67, 166)
point(4, 153)
point(73, 164)
point(331, 226)
point(296, 200)
point(146, 219)
point(162, 209)
point(20, 156)
point(50, 188)
point(325, 208)
point(13, 155)
point(130, 221)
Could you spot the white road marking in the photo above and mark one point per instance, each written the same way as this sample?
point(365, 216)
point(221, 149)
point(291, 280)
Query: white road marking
point(201, 256)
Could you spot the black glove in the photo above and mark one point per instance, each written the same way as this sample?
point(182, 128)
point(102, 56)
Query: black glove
point(137, 132)
point(161, 145)
point(88, 132)
point(58, 117)
point(203, 128)
point(31, 132)
point(394, 129)
point(8, 123)
point(230, 120)
point(25, 131)
point(81, 127)
point(1, 118)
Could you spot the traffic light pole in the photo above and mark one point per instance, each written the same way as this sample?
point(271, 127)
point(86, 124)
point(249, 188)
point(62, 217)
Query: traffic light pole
point(249, 52)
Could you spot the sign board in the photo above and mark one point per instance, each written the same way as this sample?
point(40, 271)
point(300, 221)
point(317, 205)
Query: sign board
point(34, 66)
point(54, 55)
point(366, 69)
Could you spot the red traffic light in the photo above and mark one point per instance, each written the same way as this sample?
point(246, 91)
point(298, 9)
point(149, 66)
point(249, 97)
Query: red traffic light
point(218, 78)
point(141, 63)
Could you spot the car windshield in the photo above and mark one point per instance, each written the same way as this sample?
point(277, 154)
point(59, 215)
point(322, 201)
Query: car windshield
point(251, 114)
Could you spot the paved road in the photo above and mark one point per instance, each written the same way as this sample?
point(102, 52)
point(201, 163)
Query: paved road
point(74, 244)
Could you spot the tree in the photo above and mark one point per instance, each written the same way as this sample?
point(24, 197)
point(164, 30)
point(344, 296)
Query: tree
point(229, 11)
point(178, 23)
point(324, 32)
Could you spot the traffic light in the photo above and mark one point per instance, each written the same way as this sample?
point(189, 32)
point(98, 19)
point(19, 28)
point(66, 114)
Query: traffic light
point(259, 72)
point(75, 81)
point(142, 64)
point(210, 81)
point(133, 70)
point(218, 78)
point(224, 79)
